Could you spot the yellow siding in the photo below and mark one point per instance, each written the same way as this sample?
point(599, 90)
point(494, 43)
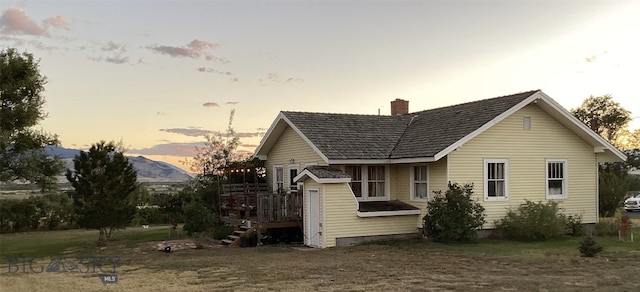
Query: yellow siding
point(526, 151)
point(309, 184)
point(342, 221)
point(290, 146)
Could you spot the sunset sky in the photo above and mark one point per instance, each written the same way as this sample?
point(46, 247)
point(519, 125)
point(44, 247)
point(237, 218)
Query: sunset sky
point(158, 75)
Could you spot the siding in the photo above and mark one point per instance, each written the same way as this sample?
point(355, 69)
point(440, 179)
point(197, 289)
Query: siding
point(290, 146)
point(341, 219)
point(526, 151)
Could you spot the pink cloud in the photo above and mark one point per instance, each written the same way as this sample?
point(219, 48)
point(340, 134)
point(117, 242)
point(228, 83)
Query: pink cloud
point(58, 21)
point(14, 20)
point(191, 132)
point(194, 49)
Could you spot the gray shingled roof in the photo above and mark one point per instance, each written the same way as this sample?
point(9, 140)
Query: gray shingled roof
point(327, 172)
point(415, 135)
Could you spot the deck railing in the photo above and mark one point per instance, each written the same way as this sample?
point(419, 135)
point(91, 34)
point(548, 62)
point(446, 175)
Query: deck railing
point(254, 201)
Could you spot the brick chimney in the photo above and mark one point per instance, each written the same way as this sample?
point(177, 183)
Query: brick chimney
point(399, 107)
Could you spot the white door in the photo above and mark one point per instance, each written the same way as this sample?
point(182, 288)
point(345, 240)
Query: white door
point(313, 230)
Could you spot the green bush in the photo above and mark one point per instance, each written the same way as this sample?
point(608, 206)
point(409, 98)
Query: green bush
point(456, 216)
point(533, 221)
point(198, 218)
point(220, 232)
point(589, 247)
point(574, 225)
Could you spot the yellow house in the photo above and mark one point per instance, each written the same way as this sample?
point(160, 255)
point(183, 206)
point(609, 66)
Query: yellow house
point(366, 177)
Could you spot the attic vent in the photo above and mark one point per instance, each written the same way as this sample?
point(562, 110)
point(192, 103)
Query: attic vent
point(527, 123)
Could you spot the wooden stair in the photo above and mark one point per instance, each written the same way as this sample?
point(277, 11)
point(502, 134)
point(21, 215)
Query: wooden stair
point(233, 239)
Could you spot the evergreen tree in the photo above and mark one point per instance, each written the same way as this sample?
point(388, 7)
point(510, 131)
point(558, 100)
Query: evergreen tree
point(103, 180)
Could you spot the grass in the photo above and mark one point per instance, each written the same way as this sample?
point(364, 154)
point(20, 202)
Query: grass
point(54, 243)
point(384, 265)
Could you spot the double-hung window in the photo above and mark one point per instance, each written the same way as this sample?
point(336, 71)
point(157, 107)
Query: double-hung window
point(368, 182)
point(496, 179)
point(355, 172)
point(278, 179)
point(293, 172)
point(557, 186)
point(376, 178)
point(419, 184)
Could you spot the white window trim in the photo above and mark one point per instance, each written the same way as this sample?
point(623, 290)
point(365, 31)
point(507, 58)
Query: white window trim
point(412, 181)
point(506, 180)
point(275, 182)
point(288, 184)
point(365, 183)
point(565, 179)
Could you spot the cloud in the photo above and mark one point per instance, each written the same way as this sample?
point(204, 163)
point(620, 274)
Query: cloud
point(196, 49)
point(232, 102)
point(234, 79)
point(210, 104)
point(199, 132)
point(117, 59)
point(58, 21)
point(15, 21)
point(211, 70)
point(249, 145)
point(172, 149)
point(113, 47)
point(191, 132)
point(275, 78)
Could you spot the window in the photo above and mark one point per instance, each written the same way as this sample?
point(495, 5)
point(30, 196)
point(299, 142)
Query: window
point(368, 182)
point(496, 179)
point(557, 179)
point(376, 178)
point(278, 179)
point(293, 172)
point(526, 124)
point(356, 179)
point(419, 185)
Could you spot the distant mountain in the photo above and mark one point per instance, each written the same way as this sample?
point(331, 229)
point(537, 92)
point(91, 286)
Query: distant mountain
point(148, 170)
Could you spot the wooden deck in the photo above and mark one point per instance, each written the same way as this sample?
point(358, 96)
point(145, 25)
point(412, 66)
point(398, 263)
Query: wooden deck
point(254, 202)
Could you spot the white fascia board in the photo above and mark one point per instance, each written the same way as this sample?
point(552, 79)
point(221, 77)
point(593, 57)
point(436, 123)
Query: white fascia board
point(388, 213)
point(570, 118)
point(381, 161)
point(273, 130)
point(488, 125)
point(266, 138)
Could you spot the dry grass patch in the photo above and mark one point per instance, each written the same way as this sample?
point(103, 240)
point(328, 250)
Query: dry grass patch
point(385, 266)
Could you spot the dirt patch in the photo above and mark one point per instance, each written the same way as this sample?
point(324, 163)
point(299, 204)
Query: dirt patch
point(182, 244)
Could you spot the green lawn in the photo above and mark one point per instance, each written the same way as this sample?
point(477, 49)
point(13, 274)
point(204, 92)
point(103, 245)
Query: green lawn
point(54, 243)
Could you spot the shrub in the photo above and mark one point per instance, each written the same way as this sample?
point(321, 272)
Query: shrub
point(197, 218)
point(533, 222)
point(574, 225)
point(589, 247)
point(220, 232)
point(607, 227)
point(454, 216)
